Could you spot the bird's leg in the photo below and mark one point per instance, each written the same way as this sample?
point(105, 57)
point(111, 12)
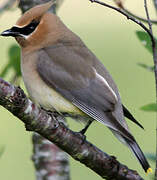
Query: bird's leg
point(51, 113)
point(83, 131)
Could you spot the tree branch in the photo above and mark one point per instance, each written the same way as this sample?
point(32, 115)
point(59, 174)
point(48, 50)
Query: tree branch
point(138, 17)
point(155, 69)
point(127, 16)
point(121, 6)
point(38, 120)
point(148, 18)
point(50, 161)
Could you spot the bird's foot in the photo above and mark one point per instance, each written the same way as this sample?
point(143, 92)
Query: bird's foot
point(51, 113)
point(83, 137)
point(83, 131)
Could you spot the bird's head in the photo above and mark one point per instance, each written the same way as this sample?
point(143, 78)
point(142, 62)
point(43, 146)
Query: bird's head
point(36, 28)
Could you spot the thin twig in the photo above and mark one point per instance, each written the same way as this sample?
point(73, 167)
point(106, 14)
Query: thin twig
point(138, 17)
point(75, 144)
point(127, 16)
point(120, 4)
point(155, 69)
point(148, 18)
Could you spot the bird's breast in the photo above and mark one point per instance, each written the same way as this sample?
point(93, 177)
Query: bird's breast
point(40, 92)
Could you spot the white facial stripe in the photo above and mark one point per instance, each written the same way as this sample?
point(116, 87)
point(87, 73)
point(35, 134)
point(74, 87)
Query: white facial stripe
point(106, 83)
point(25, 36)
point(19, 26)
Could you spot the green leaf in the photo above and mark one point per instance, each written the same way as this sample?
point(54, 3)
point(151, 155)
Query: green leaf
point(149, 107)
point(145, 40)
point(2, 150)
point(13, 63)
point(14, 58)
point(145, 66)
point(151, 156)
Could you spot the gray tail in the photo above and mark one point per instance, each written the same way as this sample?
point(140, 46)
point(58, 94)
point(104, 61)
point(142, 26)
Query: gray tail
point(139, 154)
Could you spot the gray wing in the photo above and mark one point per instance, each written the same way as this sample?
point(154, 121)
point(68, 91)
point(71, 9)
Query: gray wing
point(79, 83)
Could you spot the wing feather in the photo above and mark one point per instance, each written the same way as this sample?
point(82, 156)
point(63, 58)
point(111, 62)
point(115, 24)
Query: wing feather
point(83, 87)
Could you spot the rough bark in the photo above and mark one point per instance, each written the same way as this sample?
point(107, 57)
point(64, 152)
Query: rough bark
point(38, 120)
point(49, 160)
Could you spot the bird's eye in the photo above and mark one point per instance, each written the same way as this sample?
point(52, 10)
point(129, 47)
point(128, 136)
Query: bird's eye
point(32, 26)
point(27, 30)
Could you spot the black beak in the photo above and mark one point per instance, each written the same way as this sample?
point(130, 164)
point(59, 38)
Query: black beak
point(10, 32)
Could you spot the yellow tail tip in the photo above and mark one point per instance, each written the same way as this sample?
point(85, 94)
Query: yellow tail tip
point(149, 170)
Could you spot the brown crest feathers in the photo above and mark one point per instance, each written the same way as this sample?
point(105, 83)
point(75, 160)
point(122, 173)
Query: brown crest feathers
point(34, 13)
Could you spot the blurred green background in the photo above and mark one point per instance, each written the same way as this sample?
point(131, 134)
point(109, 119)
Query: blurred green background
point(112, 38)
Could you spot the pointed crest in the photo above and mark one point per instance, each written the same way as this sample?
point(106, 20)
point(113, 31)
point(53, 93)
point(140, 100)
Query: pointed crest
point(34, 13)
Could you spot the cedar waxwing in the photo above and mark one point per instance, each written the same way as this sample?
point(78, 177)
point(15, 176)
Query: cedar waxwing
point(61, 74)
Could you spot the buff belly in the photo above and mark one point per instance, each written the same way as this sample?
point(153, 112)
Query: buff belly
point(42, 94)
point(49, 99)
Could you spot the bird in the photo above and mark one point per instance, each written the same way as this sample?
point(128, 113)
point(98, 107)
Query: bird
point(62, 75)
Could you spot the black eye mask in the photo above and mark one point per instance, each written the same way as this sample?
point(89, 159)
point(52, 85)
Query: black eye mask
point(26, 30)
